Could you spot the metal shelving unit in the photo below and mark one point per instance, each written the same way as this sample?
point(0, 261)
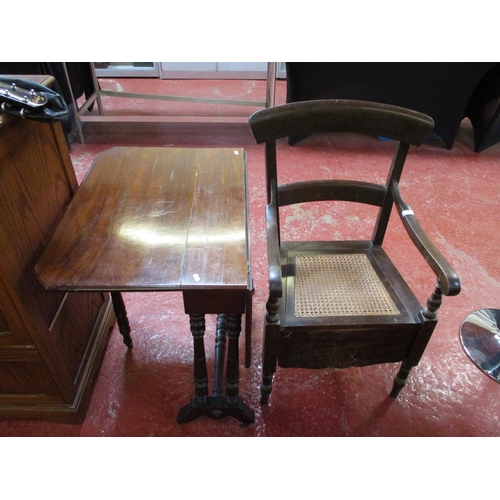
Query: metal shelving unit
point(83, 115)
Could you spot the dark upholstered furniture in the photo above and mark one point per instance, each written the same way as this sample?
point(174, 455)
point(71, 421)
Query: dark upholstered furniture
point(447, 92)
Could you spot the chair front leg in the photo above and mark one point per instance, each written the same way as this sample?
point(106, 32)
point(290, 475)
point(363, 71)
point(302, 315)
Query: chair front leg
point(270, 351)
point(400, 380)
point(430, 315)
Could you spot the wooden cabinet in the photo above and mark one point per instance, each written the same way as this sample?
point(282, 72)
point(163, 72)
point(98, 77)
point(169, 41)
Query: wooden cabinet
point(51, 343)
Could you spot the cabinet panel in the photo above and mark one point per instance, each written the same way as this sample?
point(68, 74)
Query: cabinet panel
point(73, 327)
point(23, 375)
point(34, 209)
point(5, 331)
point(4, 326)
point(51, 344)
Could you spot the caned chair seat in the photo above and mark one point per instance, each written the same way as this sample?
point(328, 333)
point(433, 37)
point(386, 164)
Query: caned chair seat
point(339, 285)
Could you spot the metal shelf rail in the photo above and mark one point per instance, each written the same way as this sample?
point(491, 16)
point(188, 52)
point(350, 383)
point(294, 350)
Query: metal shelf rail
point(82, 114)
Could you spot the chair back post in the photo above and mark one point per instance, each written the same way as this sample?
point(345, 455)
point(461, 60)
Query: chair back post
point(386, 208)
point(271, 168)
point(272, 181)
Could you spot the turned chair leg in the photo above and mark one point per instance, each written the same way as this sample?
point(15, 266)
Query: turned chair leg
point(266, 388)
point(400, 380)
point(430, 314)
point(270, 357)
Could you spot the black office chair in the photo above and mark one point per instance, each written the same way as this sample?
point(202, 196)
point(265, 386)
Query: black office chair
point(343, 303)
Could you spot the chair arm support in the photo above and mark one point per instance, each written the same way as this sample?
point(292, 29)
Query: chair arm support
point(273, 252)
point(448, 279)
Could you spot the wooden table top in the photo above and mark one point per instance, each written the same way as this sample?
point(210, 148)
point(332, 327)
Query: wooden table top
point(154, 219)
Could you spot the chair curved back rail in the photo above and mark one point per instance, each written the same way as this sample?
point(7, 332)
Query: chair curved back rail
point(341, 115)
point(331, 190)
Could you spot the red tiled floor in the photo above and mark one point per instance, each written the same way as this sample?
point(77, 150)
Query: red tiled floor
point(455, 195)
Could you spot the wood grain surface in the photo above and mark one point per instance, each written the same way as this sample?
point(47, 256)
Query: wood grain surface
point(153, 219)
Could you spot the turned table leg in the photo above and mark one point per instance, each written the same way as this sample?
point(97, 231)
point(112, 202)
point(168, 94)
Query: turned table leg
point(121, 318)
point(220, 353)
point(197, 322)
point(233, 372)
point(217, 406)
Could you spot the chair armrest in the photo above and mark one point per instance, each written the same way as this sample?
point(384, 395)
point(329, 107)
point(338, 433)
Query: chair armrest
point(273, 251)
point(447, 277)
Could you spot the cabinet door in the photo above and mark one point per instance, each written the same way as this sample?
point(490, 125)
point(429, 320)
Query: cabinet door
point(37, 182)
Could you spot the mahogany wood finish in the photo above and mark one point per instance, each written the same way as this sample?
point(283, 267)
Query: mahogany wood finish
point(341, 341)
point(137, 203)
point(163, 219)
point(51, 344)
